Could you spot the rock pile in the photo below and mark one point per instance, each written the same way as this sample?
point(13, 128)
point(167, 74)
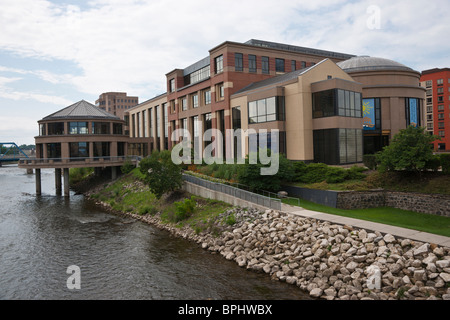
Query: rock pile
point(327, 260)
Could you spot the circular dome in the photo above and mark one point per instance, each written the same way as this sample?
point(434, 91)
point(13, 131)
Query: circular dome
point(366, 63)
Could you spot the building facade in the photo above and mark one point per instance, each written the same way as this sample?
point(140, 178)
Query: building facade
point(81, 131)
point(392, 98)
point(116, 103)
point(437, 84)
point(199, 96)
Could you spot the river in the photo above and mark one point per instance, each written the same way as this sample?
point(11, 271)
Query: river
point(118, 258)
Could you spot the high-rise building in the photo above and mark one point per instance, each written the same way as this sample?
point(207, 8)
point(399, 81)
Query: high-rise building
point(116, 103)
point(437, 83)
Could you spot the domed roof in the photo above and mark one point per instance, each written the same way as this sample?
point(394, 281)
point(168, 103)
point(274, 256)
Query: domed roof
point(366, 63)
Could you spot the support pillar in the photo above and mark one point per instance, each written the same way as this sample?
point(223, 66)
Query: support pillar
point(38, 182)
point(113, 173)
point(58, 184)
point(66, 182)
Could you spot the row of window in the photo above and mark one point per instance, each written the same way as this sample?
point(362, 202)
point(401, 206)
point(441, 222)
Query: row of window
point(280, 64)
point(196, 100)
point(439, 82)
point(266, 110)
point(337, 102)
point(142, 123)
point(57, 128)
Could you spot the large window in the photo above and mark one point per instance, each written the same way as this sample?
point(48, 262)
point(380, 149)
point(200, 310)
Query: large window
point(78, 128)
point(207, 96)
point(338, 146)
point(279, 65)
point(100, 128)
point(218, 64)
point(266, 110)
point(79, 149)
point(265, 65)
point(55, 128)
point(251, 63)
point(197, 76)
point(102, 149)
point(238, 62)
point(53, 150)
point(335, 102)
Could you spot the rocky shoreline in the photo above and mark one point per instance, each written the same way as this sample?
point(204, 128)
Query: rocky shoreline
point(326, 260)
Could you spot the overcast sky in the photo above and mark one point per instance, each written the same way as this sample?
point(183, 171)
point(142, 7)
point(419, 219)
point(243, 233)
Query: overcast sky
point(55, 53)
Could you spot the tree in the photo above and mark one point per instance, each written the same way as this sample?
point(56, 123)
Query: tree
point(250, 174)
point(161, 174)
point(411, 149)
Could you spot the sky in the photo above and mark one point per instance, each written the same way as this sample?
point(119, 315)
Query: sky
point(56, 53)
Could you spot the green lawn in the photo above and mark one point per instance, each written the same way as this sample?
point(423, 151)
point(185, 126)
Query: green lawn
point(396, 217)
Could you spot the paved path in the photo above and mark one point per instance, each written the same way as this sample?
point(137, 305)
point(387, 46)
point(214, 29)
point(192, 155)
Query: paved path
point(374, 226)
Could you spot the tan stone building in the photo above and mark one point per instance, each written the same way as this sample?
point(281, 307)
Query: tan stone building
point(392, 98)
point(116, 103)
point(317, 111)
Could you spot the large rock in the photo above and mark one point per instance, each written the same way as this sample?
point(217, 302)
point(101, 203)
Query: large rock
point(422, 249)
point(316, 292)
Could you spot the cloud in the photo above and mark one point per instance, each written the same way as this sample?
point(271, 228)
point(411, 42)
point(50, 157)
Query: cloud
point(131, 45)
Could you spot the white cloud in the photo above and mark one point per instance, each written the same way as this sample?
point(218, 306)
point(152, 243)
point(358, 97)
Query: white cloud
point(131, 45)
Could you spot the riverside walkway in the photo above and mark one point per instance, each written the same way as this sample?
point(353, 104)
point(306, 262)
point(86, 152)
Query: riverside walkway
point(369, 225)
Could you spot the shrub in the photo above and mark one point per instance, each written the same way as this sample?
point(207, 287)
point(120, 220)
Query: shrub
point(370, 161)
point(336, 175)
point(434, 163)
point(445, 162)
point(127, 167)
point(184, 209)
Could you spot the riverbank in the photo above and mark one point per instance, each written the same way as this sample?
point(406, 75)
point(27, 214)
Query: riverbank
point(326, 260)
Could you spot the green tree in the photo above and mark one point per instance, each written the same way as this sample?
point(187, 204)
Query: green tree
point(161, 174)
point(409, 150)
point(249, 174)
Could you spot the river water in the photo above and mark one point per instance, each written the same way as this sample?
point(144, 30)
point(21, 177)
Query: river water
point(118, 258)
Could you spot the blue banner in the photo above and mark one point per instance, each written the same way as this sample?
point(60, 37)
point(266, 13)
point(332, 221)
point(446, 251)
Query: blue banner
point(413, 114)
point(369, 114)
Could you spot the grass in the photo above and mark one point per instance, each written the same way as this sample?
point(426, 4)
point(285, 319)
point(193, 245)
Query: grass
point(129, 194)
point(396, 217)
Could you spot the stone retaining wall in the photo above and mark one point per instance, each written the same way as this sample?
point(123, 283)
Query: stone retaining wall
point(437, 204)
point(425, 203)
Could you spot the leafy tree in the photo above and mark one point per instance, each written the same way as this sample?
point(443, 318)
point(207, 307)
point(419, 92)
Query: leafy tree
point(161, 174)
point(250, 174)
point(409, 150)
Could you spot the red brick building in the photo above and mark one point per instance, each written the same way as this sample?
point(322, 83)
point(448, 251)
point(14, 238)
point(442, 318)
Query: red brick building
point(437, 109)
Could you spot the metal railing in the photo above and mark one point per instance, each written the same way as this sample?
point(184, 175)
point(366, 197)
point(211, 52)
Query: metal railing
point(87, 160)
point(268, 202)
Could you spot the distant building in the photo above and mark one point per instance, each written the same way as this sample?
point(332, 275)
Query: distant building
point(116, 103)
point(437, 84)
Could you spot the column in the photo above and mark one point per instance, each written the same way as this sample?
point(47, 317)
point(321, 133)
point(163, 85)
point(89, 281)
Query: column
point(58, 184)
point(38, 182)
point(66, 182)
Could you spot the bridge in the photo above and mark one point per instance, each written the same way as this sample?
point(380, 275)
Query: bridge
point(11, 152)
point(62, 166)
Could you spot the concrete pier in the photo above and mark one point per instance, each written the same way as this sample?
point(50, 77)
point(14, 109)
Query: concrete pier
point(38, 182)
point(58, 184)
point(66, 182)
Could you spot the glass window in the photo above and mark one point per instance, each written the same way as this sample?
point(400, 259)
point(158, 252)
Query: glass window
point(252, 112)
point(219, 64)
point(79, 149)
point(303, 63)
point(55, 128)
point(293, 65)
point(262, 114)
point(100, 128)
point(271, 109)
point(183, 104)
point(208, 97)
point(279, 65)
point(238, 62)
point(251, 63)
point(324, 104)
point(172, 85)
point(195, 101)
point(265, 65)
point(207, 121)
point(117, 128)
point(78, 128)
point(42, 129)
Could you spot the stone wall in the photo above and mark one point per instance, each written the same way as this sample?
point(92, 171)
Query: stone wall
point(425, 203)
point(437, 204)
